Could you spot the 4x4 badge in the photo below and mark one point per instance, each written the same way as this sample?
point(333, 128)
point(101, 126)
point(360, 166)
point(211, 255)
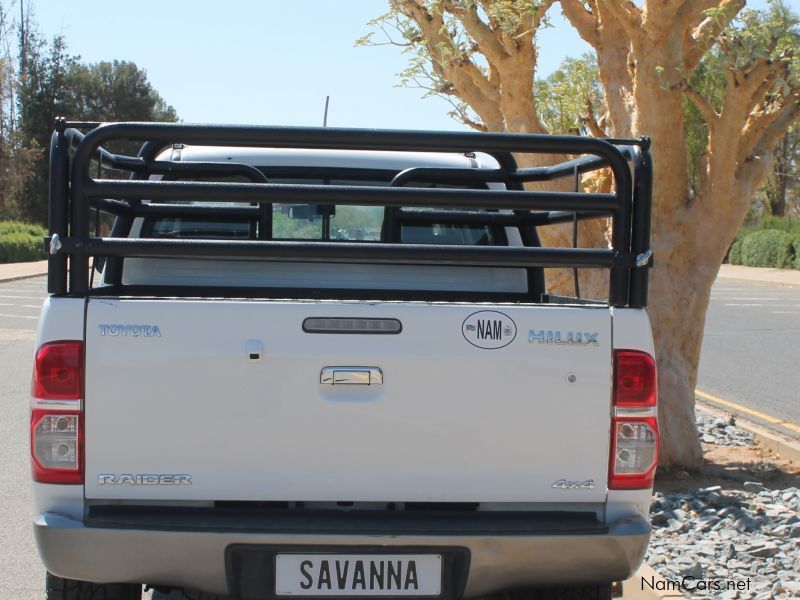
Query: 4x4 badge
point(566, 484)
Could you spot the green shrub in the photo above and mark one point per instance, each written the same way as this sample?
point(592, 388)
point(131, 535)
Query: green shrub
point(735, 253)
point(787, 224)
point(21, 242)
point(796, 248)
point(22, 227)
point(768, 248)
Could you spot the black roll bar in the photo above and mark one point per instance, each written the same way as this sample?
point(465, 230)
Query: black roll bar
point(73, 193)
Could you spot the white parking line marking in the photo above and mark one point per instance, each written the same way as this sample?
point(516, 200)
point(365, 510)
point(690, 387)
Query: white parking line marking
point(744, 305)
point(785, 312)
point(30, 288)
point(31, 306)
point(745, 298)
point(17, 316)
point(23, 297)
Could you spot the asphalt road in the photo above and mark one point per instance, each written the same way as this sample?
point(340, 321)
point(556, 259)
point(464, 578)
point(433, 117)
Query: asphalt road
point(750, 356)
point(750, 350)
point(21, 573)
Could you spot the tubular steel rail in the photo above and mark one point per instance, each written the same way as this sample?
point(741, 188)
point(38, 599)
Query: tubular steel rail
point(74, 194)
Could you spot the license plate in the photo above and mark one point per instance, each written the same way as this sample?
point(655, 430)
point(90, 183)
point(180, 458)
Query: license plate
point(372, 575)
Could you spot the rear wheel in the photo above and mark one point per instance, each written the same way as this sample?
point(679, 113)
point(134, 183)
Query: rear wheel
point(185, 595)
point(576, 592)
point(59, 588)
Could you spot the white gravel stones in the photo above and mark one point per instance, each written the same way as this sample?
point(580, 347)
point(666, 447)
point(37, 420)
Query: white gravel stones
point(722, 432)
point(716, 534)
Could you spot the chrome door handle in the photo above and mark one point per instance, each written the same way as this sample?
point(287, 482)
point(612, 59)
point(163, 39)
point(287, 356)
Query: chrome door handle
point(351, 376)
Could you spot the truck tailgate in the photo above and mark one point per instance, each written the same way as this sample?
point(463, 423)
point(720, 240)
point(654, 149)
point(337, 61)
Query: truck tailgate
point(173, 388)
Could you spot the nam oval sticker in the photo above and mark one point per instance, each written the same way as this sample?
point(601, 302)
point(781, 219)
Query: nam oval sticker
point(489, 329)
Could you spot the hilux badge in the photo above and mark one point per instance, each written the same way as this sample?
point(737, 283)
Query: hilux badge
point(563, 338)
point(489, 329)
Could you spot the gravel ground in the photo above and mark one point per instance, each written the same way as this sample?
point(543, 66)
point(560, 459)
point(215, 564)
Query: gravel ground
point(719, 533)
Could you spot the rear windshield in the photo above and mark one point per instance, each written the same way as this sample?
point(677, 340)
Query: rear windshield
point(325, 223)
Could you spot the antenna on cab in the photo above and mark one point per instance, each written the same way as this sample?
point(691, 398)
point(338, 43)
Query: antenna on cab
point(325, 116)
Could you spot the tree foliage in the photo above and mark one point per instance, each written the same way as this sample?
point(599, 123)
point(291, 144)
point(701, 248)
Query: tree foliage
point(42, 80)
point(569, 100)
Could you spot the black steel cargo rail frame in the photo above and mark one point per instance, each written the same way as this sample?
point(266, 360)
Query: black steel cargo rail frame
point(74, 194)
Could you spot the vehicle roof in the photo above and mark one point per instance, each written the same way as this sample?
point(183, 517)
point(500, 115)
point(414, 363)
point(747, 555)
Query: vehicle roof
point(309, 157)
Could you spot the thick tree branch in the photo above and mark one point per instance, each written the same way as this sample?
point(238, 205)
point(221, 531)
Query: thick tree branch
point(627, 13)
point(764, 128)
point(448, 63)
point(536, 18)
point(505, 38)
point(700, 39)
point(584, 21)
point(595, 128)
point(707, 110)
point(752, 168)
point(488, 44)
point(761, 71)
point(767, 83)
point(660, 15)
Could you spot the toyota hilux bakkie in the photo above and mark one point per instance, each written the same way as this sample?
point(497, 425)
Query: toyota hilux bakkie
point(310, 362)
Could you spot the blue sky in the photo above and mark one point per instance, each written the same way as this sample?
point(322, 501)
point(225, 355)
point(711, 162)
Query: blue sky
point(266, 61)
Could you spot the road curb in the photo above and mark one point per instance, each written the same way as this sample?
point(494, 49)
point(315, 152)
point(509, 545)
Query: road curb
point(19, 277)
point(782, 277)
point(17, 271)
point(648, 584)
point(779, 445)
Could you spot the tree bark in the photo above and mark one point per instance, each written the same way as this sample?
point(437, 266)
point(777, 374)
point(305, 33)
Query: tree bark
point(777, 204)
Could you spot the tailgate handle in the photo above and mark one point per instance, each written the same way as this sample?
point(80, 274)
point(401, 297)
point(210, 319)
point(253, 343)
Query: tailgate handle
point(351, 376)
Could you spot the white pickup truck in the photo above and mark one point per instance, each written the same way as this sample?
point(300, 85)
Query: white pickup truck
point(324, 362)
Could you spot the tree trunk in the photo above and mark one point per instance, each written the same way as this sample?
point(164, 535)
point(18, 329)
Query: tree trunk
point(686, 264)
point(777, 204)
point(679, 293)
point(593, 283)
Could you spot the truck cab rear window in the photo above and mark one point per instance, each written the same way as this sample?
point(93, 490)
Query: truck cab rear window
point(324, 223)
point(199, 229)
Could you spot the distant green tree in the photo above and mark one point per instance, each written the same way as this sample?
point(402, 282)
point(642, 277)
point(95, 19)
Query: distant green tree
point(568, 100)
point(115, 91)
point(52, 82)
point(781, 192)
point(41, 94)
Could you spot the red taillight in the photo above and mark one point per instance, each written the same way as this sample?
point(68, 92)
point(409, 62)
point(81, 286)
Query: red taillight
point(57, 423)
point(634, 426)
point(58, 371)
point(634, 378)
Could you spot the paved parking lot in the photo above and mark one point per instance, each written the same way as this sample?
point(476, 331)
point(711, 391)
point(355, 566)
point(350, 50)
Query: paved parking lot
point(21, 573)
point(20, 302)
point(750, 346)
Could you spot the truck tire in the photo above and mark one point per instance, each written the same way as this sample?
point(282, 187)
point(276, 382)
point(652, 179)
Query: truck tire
point(59, 588)
point(186, 595)
point(577, 592)
point(192, 595)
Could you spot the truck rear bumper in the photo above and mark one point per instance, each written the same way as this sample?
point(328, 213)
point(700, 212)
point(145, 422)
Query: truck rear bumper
point(187, 548)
